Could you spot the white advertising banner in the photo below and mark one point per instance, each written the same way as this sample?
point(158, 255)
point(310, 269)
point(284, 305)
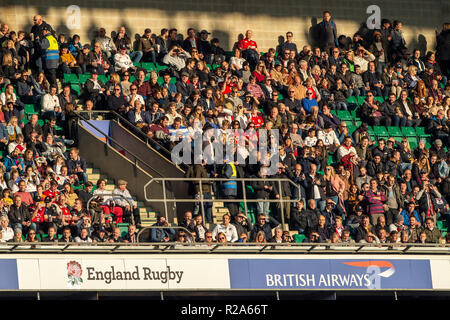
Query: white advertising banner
point(214, 272)
point(109, 273)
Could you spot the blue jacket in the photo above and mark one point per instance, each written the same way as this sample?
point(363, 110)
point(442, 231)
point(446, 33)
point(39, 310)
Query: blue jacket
point(405, 216)
point(157, 234)
point(144, 115)
point(3, 132)
point(10, 162)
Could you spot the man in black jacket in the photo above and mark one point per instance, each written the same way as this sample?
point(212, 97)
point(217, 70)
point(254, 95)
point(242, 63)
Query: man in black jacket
point(95, 89)
point(438, 128)
point(312, 215)
point(261, 225)
point(365, 229)
point(19, 216)
point(298, 218)
point(242, 224)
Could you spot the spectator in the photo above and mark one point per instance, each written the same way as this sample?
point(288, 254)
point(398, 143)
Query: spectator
point(164, 234)
point(225, 228)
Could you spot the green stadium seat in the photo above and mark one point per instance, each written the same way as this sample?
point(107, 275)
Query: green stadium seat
point(83, 77)
point(333, 112)
point(412, 142)
point(215, 66)
point(173, 80)
point(331, 159)
point(209, 66)
point(352, 99)
point(358, 123)
point(380, 131)
point(160, 67)
point(102, 78)
point(371, 132)
point(344, 115)
point(355, 116)
point(30, 109)
point(40, 122)
point(351, 128)
point(280, 97)
point(408, 131)
point(2, 154)
point(395, 131)
point(299, 238)
point(160, 80)
point(70, 78)
point(123, 228)
point(132, 79)
point(149, 66)
point(76, 88)
point(420, 131)
point(361, 100)
point(379, 99)
point(137, 64)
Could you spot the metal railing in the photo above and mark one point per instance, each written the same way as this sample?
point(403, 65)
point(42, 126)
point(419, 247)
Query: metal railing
point(113, 195)
point(113, 115)
point(144, 230)
point(108, 140)
point(224, 248)
point(208, 181)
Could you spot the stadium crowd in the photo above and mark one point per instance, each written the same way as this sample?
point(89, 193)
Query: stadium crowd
point(352, 178)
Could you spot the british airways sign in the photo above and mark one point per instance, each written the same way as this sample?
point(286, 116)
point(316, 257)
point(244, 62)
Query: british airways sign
point(329, 274)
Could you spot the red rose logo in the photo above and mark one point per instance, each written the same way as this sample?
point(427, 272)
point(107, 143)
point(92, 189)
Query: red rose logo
point(74, 272)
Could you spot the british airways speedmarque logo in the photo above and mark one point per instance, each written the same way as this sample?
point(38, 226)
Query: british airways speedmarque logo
point(376, 269)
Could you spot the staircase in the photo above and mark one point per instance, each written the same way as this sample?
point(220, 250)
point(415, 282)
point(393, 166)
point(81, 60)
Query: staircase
point(148, 216)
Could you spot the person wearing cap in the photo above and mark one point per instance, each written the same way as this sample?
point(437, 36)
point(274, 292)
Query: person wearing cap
point(122, 61)
point(147, 46)
point(100, 236)
point(184, 86)
point(123, 198)
point(94, 89)
point(85, 194)
point(437, 148)
point(50, 53)
point(204, 47)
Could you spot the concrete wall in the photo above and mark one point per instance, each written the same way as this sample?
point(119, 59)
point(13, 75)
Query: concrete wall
point(227, 18)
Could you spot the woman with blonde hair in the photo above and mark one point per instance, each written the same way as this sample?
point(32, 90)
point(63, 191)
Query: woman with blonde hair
point(10, 66)
point(334, 186)
point(349, 60)
point(309, 85)
point(13, 128)
point(421, 165)
point(260, 72)
point(260, 237)
point(114, 80)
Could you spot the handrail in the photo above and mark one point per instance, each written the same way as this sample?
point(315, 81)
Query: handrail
point(107, 137)
point(166, 153)
point(209, 180)
point(149, 141)
point(173, 247)
point(113, 195)
point(162, 227)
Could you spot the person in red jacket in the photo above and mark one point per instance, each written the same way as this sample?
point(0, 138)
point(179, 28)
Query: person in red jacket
point(249, 49)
